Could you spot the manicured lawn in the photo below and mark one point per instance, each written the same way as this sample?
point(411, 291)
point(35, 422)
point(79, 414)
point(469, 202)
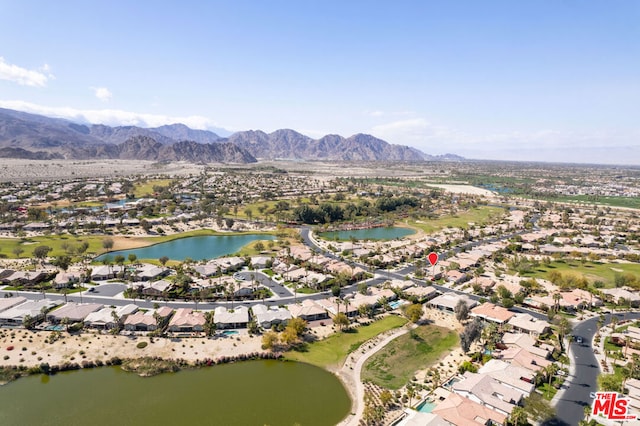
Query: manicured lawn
point(146, 189)
point(611, 346)
point(56, 242)
point(594, 271)
point(394, 365)
point(332, 351)
point(479, 216)
point(548, 392)
point(251, 250)
point(629, 202)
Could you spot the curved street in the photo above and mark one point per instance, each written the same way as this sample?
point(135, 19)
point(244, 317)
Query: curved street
point(583, 374)
point(570, 401)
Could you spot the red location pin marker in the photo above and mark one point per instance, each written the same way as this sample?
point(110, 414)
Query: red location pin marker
point(433, 258)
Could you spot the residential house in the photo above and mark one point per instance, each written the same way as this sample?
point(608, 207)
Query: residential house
point(487, 391)
point(448, 301)
point(266, 317)
point(222, 265)
point(10, 302)
point(34, 308)
point(227, 318)
point(74, 312)
point(526, 323)
point(155, 288)
point(416, 418)
point(147, 272)
point(187, 320)
point(513, 376)
point(528, 342)
point(459, 410)
point(422, 293)
point(308, 310)
point(25, 278)
point(106, 272)
point(457, 277)
point(632, 334)
point(524, 358)
point(335, 305)
point(579, 299)
point(66, 279)
point(146, 321)
point(104, 318)
point(373, 297)
point(622, 296)
point(261, 262)
point(633, 387)
point(492, 313)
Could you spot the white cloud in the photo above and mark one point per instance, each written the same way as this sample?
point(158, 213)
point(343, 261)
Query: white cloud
point(111, 117)
point(379, 113)
point(413, 131)
point(102, 93)
point(23, 76)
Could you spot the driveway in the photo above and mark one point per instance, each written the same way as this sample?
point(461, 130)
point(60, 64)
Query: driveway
point(276, 288)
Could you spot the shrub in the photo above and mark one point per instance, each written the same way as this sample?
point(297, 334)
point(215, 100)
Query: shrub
point(141, 345)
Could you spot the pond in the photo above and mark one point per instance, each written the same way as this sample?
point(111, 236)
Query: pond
point(244, 393)
point(196, 248)
point(388, 233)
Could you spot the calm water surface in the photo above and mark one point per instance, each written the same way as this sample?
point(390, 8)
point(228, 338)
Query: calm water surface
point(196, 248)
point(389, 233)
point(245, 393)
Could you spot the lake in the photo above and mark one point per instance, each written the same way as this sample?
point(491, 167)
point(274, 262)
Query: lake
point(196, 248)
point(245, 393)
point(388, 233)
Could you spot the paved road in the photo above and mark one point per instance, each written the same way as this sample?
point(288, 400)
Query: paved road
point(584, 374)
point(278, 289)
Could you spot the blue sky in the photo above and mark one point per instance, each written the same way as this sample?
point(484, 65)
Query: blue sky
point(525, 80)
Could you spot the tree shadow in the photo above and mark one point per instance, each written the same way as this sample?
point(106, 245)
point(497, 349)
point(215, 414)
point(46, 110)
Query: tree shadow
point(554, 422)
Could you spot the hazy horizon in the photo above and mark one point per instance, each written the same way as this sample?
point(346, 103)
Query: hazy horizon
point(545, 81)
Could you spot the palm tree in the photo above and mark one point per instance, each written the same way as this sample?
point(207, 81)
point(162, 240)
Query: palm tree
point(116, 319)
point(346, 305)
point(411, 393)
point(65, 321)
point(518, 416)
point(196, 297)
point(556, 300)
point(564, 328)
point(614, 322)
point(587, 413)
point(232, 290)
point(435, 378)
point(550, 370)
point(158, 318)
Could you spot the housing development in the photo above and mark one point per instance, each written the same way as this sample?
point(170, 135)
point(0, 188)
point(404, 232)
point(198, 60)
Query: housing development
point(438, 294)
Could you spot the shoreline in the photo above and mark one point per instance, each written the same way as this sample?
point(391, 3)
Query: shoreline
point(178, 236)
point(46, 352)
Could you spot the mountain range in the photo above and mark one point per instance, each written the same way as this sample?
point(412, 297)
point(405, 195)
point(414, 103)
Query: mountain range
point(24, 135)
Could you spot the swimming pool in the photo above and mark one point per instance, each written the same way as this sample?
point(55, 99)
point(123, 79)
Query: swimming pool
point(230, 332)
point(396, 304)
point(425, 406)
point(451, 382)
